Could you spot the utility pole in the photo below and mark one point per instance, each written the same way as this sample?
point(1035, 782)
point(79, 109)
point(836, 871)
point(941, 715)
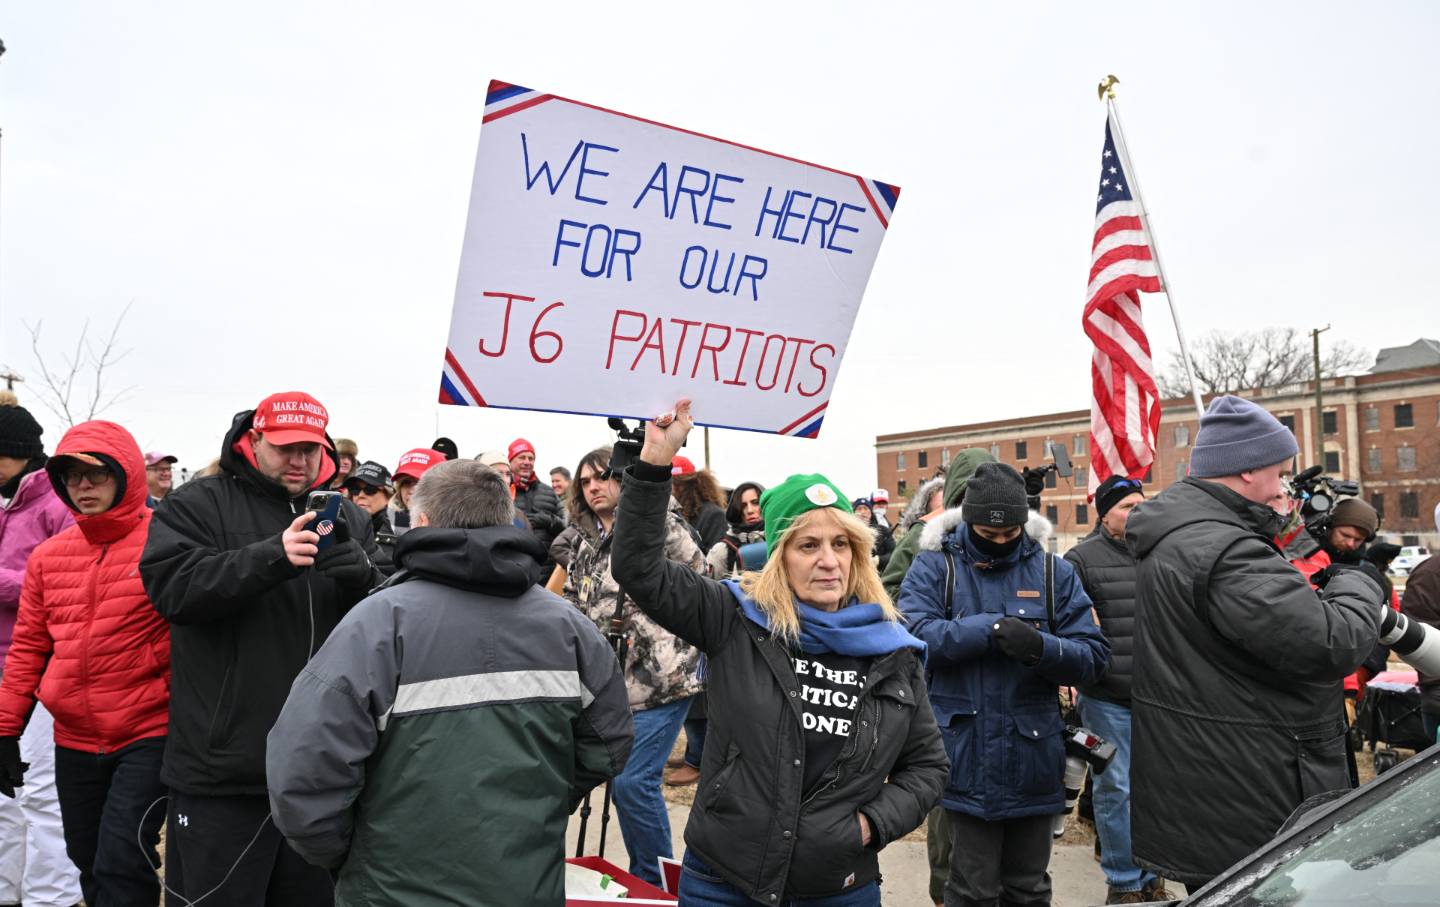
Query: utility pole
point(10, 378)
point(707, 447)
point(1319, 400)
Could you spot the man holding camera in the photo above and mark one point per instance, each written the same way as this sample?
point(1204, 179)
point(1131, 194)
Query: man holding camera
point(1006, 623)
point(662, 672)
point(231, 564)
point(1239, 662)
point(422, 765)
point(1334, 537)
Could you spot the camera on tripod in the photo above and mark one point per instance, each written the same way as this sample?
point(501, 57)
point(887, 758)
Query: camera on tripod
point(1318, 494)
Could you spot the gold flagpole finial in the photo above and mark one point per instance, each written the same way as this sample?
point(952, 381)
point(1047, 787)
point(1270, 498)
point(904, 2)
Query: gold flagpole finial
point(1107, 87)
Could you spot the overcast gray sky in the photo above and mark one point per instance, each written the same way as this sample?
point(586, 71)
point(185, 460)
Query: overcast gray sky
point(281, 187)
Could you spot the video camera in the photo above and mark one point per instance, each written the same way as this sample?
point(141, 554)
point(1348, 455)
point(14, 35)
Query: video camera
point(1317, 495)
point(628, 442)
point(1084, 750)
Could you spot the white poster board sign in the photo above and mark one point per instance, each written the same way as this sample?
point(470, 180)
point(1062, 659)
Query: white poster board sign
point(612, 265)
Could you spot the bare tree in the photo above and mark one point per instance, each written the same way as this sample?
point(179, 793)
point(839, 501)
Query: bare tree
point(1273, 357)
point(75, 391)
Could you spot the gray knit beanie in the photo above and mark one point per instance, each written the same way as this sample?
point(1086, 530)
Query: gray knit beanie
point(1237, 436)
point(995, 496)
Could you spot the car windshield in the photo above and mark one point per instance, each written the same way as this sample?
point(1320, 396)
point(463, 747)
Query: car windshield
point(1384, 854)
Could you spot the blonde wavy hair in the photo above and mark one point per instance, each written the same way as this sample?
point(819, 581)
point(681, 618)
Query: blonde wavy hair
point(771, 590)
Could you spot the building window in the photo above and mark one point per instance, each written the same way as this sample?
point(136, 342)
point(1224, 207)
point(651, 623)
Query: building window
point(1182, 469)
point(1372, 459)
point(1404, 415)
point(1082, 477)
point(900, 488)
point(1082, 514)
point(1077, 445)
point(945, 457)
point(1021, 450)
point(1405, 459)
point(1288, 422)
point(1148, 470)
point(1049, 478)
point(1377, 500)
point(1049, 449)
point(1409, 504)
point(1329, 423)
point(900, 461)
point(922, 459)
point(1182, 436)
point(995, 452)
point(1372, 418)
point(1409, 539)
point(1052, 513)
point(1332, 461)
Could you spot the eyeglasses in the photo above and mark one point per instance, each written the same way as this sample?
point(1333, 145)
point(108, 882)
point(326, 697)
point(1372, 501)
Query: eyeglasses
point(97, 476)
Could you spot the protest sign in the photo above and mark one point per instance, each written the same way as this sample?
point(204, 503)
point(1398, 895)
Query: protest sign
point(612, 264)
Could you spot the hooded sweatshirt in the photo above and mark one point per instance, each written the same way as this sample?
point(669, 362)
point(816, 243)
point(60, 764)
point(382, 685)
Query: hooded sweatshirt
point(88, 643)
point(962, 467)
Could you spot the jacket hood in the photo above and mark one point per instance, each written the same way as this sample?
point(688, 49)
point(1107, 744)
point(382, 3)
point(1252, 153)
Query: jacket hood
point(732, 508)
point(238, 457)
point(1037, 528)
point(962, 467)
point(115, 446)
point(915, 510)
point(495, 560)
point(1193, 500)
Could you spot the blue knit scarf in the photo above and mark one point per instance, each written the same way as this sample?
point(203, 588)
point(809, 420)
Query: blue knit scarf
point(857, 630)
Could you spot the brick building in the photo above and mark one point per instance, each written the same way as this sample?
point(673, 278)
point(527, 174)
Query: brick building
point(1381, 428)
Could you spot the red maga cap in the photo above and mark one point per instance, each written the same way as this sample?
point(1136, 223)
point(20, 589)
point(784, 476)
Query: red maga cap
point(415, 462)
point(681, 466)
point(519, 446)
point(292, 417)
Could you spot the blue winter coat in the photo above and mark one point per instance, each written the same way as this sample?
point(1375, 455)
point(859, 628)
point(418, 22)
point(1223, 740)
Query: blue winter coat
point(999, 718)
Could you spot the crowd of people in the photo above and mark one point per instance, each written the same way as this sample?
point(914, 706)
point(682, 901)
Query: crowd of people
point(334, 681)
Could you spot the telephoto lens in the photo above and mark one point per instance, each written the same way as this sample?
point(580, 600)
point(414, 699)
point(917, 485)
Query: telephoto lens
point(1075, 770)
point(1416, 643)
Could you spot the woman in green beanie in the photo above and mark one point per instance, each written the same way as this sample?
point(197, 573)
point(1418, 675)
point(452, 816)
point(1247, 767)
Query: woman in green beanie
point(822, 747)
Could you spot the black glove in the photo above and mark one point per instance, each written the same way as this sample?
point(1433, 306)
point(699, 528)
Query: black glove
point(1019, 640)
point(347, 564)
point(12, 770)
point(1035, 480)
point(1323, 577)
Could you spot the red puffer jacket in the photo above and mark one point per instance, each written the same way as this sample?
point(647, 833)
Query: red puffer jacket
point(87, 640)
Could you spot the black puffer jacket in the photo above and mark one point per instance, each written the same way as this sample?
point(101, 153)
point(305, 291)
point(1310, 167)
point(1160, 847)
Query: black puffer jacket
point(749, 822)
point(542, 508)
point(244, 621)
point(1237, 694)
point(1107, 571)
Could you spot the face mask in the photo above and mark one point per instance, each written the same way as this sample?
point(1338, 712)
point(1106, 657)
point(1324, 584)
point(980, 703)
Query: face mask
point(994, 550)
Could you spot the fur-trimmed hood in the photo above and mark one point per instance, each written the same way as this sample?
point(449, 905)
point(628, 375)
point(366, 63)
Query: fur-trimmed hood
point(1037, 527)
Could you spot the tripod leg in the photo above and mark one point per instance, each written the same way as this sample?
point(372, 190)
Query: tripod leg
point(605, 818)
point(584, 823)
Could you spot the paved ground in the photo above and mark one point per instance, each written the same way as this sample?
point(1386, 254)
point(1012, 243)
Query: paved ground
point(1076, 875)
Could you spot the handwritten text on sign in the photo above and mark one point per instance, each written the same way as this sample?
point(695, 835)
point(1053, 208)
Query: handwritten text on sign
point(612, 264)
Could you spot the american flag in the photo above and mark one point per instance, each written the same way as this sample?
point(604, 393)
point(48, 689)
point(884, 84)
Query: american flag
point(1125, 413)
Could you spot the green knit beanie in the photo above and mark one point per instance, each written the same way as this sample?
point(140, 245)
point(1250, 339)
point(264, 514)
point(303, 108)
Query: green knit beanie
point(783, 504)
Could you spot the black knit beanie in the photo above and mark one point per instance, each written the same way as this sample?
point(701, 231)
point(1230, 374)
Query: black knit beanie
point(1114, 490)
point(19, 433)
point(995, 496)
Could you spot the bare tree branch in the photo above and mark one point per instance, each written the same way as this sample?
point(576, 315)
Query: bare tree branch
point(57, 387)
point(1273, 357)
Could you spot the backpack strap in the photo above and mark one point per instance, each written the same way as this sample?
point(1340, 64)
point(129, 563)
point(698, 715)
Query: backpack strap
point(1050, 591)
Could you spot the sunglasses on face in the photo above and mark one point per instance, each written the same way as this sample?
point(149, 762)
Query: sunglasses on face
point(365, 489)
point(97, 476)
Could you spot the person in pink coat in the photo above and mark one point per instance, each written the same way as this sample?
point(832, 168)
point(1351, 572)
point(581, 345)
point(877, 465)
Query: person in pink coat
point(33, 865)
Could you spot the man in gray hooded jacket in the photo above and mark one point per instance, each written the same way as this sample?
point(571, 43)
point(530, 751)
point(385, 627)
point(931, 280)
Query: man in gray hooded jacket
point(434, 746)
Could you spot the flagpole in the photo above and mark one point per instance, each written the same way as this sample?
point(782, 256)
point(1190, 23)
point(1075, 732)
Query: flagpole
point(1107, 91)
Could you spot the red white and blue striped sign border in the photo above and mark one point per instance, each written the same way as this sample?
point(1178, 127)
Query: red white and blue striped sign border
point(808, 425)
point(505, 98)
point(455, 386)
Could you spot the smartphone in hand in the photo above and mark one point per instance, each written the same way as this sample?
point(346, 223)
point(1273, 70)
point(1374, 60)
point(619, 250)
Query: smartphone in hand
point(326, 506)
